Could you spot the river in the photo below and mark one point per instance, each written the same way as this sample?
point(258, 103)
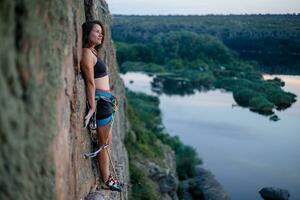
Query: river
point(244, 150)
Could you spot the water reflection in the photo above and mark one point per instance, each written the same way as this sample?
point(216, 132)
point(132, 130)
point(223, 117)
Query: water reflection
point(138, 82)
point(172, 84)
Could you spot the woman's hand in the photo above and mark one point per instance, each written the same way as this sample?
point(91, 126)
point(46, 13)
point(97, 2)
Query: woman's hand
point(88, 116)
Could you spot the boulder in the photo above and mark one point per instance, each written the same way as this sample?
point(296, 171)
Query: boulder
point(271, 193)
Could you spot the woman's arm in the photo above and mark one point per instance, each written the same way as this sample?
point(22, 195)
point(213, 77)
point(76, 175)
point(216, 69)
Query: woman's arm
point(87, 67)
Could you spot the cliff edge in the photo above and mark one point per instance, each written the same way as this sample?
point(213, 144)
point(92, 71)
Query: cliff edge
point(43, 101)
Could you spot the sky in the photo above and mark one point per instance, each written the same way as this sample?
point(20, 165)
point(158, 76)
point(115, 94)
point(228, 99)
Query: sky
point(202, 7)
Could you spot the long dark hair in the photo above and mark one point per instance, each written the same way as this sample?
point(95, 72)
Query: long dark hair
point(86, 30)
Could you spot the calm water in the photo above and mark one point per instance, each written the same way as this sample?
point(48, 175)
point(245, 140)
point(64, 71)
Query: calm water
point(246, 151)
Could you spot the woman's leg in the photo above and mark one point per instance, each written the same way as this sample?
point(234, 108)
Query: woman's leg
point(110, 137)
point(104, 134)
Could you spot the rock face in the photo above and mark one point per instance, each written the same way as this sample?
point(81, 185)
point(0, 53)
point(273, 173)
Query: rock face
point(43, 101)
point(167, 181)
point(165, 177)
point(271, 193)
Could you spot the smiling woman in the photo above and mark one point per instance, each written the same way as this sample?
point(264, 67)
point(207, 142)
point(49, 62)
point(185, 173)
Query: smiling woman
point(100, 99)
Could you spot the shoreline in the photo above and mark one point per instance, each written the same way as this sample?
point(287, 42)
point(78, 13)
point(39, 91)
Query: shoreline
point(197, 182)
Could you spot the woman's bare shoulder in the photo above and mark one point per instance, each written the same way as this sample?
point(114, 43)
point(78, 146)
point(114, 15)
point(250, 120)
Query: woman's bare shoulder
point(87, 58)
point(86, 53)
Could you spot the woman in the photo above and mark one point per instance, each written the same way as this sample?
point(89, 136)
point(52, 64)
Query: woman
point(97, 87)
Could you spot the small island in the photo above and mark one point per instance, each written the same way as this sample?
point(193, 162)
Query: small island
point(183, 61)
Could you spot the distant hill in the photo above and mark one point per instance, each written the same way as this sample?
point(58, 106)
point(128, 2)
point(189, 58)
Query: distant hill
point(284, 29)
point(272, 39)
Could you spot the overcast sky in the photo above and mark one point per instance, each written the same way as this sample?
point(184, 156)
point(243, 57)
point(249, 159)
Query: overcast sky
point(200, 7)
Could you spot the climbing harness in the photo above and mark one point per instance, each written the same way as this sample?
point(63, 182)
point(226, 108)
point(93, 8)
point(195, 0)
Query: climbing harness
point(92, 127)
point(91, 124)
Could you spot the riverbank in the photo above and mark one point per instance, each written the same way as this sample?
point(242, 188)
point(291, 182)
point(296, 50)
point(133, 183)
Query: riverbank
point(159, 163)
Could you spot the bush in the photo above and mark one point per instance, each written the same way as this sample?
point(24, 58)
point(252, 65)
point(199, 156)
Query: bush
point(262, 105)
point(201, 78)
point(282, 99)
point(142, 186)
point(180, 190)
point(129, 66)
point(186, 156)
point(226, 83)
point(276, 81)
point(243, 96)
point(186, 160)
point(195, 190)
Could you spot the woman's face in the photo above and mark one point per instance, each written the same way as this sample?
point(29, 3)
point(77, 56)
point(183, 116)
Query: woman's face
point(96, 35)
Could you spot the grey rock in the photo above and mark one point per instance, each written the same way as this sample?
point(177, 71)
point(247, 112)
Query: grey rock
point(167, 181)
point(211, 188)
point(168, 184)
point(94, 196)
point(155, 171)
point(271, 193)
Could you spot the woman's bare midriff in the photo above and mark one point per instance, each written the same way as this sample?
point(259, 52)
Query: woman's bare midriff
point(102, 83)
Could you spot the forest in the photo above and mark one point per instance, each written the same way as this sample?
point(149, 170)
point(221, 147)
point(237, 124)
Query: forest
point(271, 39)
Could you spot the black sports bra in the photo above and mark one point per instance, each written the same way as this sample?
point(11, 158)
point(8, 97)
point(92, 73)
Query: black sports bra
point(100, 69)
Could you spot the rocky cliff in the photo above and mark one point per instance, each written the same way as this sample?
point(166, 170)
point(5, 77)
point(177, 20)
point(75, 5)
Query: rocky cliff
point(43, 101)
